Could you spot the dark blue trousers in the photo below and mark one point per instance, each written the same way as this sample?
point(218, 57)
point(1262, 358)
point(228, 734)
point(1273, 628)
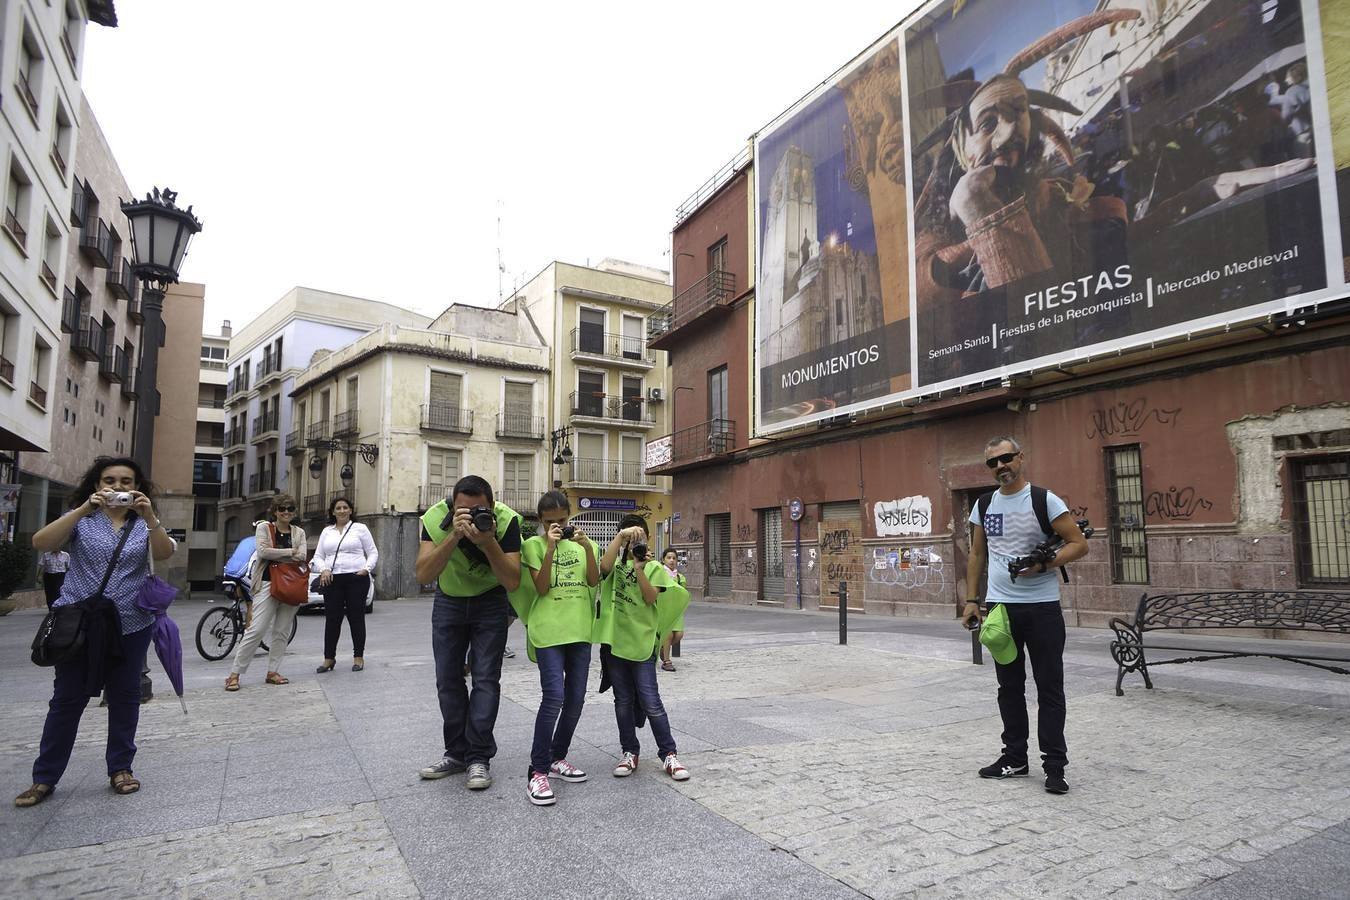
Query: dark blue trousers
point(70, 697)
point(562, 679)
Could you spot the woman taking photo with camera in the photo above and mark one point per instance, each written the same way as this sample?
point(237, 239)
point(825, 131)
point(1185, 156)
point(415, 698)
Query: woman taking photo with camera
point(344, 558)
point(281, 541)
point(112, 532)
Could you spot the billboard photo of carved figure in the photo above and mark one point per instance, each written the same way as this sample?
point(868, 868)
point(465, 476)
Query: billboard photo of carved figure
point(832, 310)
point(1336, 52)
point(1092, 175)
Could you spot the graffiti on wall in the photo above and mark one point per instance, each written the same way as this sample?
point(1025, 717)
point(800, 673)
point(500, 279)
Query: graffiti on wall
point(1175, 503)
point(912, 568)
point(1128, 418)
point(906, 516)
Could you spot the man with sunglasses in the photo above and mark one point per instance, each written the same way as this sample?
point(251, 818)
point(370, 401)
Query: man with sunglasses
point(1008, 525)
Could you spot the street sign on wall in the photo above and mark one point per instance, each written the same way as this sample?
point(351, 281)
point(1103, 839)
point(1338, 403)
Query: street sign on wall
point(622, 504)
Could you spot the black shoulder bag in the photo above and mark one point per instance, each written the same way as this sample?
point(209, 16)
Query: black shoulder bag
point(61, 636)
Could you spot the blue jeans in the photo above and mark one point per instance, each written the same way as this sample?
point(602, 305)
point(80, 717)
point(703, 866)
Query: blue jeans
point(634, 684)
point(562, 676)
point(458, 624)
point(69, 698)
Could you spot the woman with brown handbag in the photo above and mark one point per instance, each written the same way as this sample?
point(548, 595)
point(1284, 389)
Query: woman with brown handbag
point(279, 544)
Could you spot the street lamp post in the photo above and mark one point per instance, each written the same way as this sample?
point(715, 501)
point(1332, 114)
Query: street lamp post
point(160, 233)
point(560, 447)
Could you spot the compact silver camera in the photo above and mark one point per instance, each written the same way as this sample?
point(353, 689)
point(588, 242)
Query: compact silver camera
point(119, 498)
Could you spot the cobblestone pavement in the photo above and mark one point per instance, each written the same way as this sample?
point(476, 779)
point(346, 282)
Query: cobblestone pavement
point(818, 771)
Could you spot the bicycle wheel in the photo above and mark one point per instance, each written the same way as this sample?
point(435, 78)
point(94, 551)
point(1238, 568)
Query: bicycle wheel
point(217, 633)
point(295, 624)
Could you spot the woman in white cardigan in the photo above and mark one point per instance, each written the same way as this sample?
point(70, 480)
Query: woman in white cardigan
point(270, 616)
point(344, 559)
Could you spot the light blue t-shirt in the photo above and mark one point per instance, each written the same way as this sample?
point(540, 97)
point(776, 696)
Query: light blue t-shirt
point(1010, 531)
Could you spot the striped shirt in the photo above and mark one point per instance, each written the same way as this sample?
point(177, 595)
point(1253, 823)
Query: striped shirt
point(1011, 530)
point(91, 547)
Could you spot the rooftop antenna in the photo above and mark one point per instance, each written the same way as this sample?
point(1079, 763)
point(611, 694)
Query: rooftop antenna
point(501, 269)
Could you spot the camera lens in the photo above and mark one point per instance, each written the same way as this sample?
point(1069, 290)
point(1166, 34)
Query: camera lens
point(568, 531)
point(483, 519)
point(640, 552)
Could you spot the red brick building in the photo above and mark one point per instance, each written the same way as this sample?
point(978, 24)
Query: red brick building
point(1221, 460)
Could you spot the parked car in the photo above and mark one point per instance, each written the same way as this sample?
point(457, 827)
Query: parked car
point(315, 601)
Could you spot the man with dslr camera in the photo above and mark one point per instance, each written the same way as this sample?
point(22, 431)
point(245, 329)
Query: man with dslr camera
point(471, 549)
point(1008, 526)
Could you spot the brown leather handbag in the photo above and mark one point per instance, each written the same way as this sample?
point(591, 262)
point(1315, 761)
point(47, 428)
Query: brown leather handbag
point(290, 580)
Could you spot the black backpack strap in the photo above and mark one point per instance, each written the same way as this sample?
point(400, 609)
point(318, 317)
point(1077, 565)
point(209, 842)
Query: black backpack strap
point(982, 505)
point(1040, 504)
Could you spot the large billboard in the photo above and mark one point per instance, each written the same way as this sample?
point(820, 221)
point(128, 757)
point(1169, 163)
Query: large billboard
point(1084, 177)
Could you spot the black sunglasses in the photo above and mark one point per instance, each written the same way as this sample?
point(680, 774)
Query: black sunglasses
point(1002, 459)
point(285, 509)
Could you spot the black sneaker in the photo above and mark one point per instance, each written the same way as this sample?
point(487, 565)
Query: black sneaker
point(1055, 783)
point(1005, 768)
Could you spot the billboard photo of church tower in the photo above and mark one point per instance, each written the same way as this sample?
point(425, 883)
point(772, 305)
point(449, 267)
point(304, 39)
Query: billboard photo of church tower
point(832, 315)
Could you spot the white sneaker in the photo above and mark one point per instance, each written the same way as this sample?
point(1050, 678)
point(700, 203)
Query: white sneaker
point(540, 792)
point(627, 766)
point(566, 771)
point(674, 769)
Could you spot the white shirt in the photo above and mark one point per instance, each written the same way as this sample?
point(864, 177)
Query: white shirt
point(54, 561)
point(345, 551)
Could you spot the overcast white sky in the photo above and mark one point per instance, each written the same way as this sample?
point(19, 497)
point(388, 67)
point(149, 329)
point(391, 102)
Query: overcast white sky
point(369, 148)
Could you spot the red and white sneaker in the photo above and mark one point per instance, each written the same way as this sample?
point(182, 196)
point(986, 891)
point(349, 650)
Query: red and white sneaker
point(540, 792)
point(627, 766)
point(673, 768)
point(566, 771)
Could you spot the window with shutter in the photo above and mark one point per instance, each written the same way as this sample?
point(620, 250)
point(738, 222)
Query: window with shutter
point(443, 469)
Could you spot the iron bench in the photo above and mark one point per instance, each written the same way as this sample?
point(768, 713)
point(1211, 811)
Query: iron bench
point(1292, 610)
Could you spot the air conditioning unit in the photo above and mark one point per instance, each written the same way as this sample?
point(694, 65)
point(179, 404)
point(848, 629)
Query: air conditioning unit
point(655, 395)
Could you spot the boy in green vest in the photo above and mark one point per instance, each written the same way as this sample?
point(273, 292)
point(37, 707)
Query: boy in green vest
point(565, 573)
point(473, 555)
point(631, 623)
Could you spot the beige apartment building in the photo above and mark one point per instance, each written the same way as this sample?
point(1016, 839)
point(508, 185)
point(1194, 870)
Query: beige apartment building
point(392, 420)
point(204, 560)
point(610, 391)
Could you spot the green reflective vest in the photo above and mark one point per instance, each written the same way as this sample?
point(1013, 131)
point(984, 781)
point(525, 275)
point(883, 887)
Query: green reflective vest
point(630, 626)
point(463, 576)
point(566, 614)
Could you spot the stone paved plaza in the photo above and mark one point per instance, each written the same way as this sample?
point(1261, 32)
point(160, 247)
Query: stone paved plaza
point(818, 771)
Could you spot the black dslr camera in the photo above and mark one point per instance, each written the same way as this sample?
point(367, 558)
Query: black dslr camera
point(1044, 552)
point(640, 551)
point(483, 519)
point(568, 531)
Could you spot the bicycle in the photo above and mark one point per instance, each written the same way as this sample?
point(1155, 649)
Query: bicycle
point(221, 627)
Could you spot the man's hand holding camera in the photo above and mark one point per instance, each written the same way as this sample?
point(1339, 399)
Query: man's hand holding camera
point(469, 522)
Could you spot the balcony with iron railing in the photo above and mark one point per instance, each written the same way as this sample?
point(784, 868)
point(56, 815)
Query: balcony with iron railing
point(441, 415)
point(346, 422)
point(112, 365)
point(25, 91)
point(317, 431)
point(48, 276)
point(525, 502)
point(96, 243)
point(593, 345)
point(315, 505)
point(236, 439)
point(38, 394)
point(129, 384)
point(79, 204)
point(699, 443)
point(267, 370)
point(609, 472)
point(295, 441)
point(611, 409)
point(520, 426)
point(6, 370)
point(14, 229)
point(121, 282)
point(231, 492)
point(236, 385)
point(135, 314)
point(87, 343)
point(262, 483)
point(266, 425)
point(70, 312)
point(711, 294)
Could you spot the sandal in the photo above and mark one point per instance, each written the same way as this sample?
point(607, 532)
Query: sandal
point(33, 796)
point(124, 783)
point(277, 678)
point(232, 682)
point(667, 665)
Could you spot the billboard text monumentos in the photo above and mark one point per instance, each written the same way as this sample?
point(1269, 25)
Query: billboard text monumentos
point(995, 188)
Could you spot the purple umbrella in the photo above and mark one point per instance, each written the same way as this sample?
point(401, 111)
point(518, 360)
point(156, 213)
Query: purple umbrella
point(155, 596)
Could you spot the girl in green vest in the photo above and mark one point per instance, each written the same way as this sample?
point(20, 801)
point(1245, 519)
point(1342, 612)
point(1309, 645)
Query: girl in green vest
point(631, 623)
point(562, 564)
point(671, 560)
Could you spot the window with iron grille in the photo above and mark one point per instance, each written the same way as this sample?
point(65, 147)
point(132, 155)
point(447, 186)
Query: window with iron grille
point(1125, 515)
point(771, 548)
point(1321, 491)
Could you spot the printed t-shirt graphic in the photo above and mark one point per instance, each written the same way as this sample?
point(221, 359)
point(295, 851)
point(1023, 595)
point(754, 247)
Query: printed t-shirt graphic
point(630, 626)
point(1012, 530)
point(566, 614)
